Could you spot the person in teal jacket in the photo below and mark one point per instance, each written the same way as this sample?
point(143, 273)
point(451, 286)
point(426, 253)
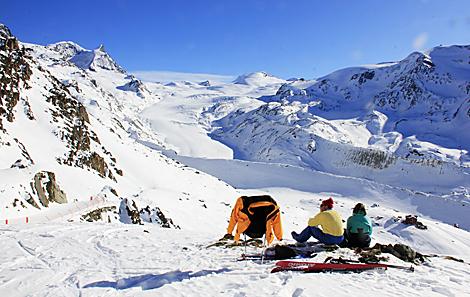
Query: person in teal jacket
point(358, 228)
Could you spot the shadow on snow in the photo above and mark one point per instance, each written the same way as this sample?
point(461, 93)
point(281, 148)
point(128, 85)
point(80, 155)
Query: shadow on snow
point(153, 281)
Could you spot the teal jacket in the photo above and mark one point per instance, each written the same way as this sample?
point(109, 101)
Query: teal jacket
point(357, 221)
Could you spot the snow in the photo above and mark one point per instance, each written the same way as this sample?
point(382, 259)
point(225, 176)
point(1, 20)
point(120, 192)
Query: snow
point(191, 149)
point(90, 259)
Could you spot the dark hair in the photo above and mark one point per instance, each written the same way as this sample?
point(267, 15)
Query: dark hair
point(359, 208)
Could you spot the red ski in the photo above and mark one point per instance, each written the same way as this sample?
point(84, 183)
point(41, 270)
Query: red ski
point(322, 267)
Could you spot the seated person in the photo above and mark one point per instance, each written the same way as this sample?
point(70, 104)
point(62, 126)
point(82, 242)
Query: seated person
point(331, 231)
point(358, 228)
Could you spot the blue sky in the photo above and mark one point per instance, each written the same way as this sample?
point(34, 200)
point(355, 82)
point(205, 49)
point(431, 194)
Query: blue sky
point(304, 38)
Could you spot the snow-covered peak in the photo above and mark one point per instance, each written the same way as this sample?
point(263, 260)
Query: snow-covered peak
point(84, 58)
point(4, 31)
point(257, 79)
point(5, 35)
point(101, 48)
point(66, 49)
point(89, 59)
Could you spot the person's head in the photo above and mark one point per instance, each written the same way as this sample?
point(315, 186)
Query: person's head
point(359, 209)
point(326, 204)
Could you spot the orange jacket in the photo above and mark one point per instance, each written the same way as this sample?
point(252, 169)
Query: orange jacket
point(242, 221)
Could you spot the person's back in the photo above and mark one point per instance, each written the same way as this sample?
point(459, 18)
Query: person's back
point(358, 228)
point(331, 231)
point(358, 223)
point(330, 222)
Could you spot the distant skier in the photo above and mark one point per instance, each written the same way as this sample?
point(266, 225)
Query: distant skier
point(358, 228)
point(331, 231)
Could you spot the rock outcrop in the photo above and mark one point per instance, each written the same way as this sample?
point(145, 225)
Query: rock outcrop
point(15, 71)
point(130, 213)
point(46, 188)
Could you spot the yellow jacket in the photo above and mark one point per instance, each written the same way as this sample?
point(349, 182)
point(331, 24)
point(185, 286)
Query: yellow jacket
point(330, 222)
point(242, 221)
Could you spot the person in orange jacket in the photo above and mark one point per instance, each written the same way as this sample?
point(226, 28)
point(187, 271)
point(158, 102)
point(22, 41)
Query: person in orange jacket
point(240, 218)
point(331, 231)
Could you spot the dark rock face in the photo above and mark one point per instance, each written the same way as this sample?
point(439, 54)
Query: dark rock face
point(286, 91)
point(413, 220)
point(205, 83)
point(408, 89)
point(130, 213)
point(15, 71)
point(100, 214)
point(363, 77)
point(98, 163)
point(136, 86)
point(76, 133)
point(31, 201)
point(45, 186)
point(5, 34)
point(155, 215)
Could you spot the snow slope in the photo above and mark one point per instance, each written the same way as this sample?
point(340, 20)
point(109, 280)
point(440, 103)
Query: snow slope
point(78, 259)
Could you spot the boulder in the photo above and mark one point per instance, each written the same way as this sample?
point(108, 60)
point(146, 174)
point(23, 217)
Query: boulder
point(45, 186)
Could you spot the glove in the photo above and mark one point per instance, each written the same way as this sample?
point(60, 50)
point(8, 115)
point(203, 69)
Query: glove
point(227, 237)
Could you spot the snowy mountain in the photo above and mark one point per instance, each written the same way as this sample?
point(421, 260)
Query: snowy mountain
point(71, 132)
point(386, 122)
point(83, 58)
point(426, 95)
point(257, 79)
point(114, 186)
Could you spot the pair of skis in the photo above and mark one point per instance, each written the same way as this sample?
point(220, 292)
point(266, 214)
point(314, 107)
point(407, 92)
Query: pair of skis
point(305, 266)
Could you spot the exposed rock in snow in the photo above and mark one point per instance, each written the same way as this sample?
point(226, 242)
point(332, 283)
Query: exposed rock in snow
point(102, 214)
point(46, 188)
point(130, 213)
point(135, 85)
point(15, 72)
point(155, 215)
point(5, 35)
point(205, 83)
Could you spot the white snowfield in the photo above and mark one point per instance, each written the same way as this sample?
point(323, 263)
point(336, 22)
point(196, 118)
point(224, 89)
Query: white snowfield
point(101, 259)
point(190, 149)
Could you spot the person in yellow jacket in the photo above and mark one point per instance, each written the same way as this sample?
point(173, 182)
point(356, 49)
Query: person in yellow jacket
point(331, 231)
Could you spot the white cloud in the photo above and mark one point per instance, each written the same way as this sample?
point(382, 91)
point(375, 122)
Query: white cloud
point(168, 76)
point(420, 41)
